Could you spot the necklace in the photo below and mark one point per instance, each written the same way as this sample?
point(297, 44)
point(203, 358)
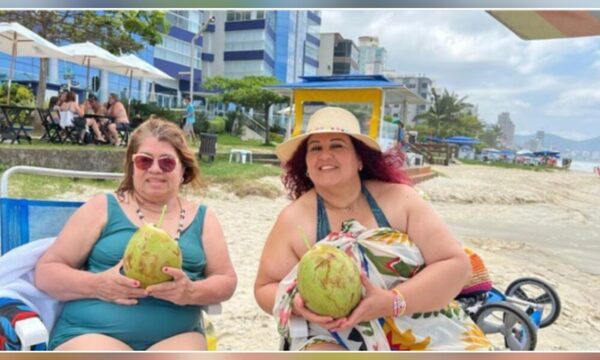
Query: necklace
point(351, 206)
point(140, 215)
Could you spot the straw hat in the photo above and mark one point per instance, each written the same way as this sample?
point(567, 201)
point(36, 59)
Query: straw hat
point(326, 120)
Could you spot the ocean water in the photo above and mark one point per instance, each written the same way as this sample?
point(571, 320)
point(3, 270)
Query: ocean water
point(585, 166)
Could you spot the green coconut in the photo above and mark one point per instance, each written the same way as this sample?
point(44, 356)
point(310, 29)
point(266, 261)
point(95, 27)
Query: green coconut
point(329, 281)
point(149, 250)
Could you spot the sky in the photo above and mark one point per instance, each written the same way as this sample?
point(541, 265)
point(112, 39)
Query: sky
point(549, 85)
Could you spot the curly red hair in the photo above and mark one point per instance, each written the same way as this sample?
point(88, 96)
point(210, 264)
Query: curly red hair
point(383, 166)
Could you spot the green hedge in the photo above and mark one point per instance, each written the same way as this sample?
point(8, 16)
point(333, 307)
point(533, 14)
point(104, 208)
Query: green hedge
point(216, 125)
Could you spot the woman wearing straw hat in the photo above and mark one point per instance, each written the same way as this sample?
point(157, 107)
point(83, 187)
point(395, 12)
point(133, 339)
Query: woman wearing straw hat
point(348, 193)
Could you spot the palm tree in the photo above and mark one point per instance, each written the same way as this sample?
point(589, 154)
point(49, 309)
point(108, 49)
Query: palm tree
point(444, 113)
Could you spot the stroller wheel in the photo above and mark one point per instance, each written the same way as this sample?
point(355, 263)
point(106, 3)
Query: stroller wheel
point(505, 323)
point(538, 292)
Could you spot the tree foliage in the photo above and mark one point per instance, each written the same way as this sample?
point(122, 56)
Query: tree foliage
point(116, 31)
point(448, 116)
point(490, 136)
point(248, 92)
point(19, 95)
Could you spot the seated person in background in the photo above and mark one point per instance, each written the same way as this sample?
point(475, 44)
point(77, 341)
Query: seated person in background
point(54, 109)
point(93, 106)
point(117, 110)
point(349, 194)
point(104, 309)
point(69, 109)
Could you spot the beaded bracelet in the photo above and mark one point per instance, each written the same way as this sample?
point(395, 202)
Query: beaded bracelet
point(399, 303)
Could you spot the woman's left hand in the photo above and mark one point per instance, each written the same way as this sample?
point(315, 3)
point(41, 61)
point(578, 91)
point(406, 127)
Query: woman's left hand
point(376, 303)
point(176, 291)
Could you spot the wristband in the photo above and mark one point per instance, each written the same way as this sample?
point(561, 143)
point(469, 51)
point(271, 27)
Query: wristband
point(399, 303)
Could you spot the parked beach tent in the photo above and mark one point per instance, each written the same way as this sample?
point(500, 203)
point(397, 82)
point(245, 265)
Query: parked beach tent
point(364, 95)
point(490, 154)
point(525, 152)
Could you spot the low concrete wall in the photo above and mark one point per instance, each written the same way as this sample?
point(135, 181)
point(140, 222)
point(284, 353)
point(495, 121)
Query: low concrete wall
point(86, 158)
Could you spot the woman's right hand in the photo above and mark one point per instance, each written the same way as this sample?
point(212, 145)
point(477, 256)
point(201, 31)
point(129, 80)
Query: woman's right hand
point(117, 288)
point(326, 322)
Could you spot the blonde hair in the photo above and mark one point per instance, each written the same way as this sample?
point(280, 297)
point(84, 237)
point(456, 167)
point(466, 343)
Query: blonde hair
point(168, 132)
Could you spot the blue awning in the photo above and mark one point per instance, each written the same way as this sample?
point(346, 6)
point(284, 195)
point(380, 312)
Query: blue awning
point(394, 92)
point(547, 153)
point(462, 140)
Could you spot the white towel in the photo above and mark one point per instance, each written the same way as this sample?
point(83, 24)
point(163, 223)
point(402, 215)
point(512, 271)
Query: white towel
point(17, 280)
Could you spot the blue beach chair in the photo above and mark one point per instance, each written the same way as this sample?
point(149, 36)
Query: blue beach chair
point(22, 222)
point(27, 228)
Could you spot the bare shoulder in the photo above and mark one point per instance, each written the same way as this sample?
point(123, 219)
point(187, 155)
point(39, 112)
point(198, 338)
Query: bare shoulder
point(210, 217)
point(298, 211)
point(296, 222)
point(390, 192)
point(97, 203)
point(398, 201)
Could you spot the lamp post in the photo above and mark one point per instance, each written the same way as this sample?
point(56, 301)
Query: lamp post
point(69, 76)
point(201, 31)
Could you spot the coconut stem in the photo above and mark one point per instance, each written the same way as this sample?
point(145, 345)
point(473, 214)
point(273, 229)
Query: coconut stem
point(162, 216)
point(304, 237)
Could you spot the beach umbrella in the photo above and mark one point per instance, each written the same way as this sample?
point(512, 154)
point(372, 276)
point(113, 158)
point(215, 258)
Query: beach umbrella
point(17, 40)
point(92, 55)
point(134, 66)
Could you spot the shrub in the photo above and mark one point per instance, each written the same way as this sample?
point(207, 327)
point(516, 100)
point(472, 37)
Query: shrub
point(202, 124)
point(217, 125)
point(276, 137)
point(145, 110)
point(19, 95)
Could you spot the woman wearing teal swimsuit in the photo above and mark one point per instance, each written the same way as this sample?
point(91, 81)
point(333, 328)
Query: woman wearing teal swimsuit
point(347, 192)
point(105, 310)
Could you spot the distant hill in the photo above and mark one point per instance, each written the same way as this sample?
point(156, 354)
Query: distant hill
point(562, 144)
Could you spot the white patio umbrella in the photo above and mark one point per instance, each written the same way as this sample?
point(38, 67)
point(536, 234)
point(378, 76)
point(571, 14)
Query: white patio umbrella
point(142, 69)
point(92, 55)
point(17, 40)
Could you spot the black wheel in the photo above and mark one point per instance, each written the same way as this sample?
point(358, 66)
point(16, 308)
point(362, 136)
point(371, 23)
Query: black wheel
point(538, 292)
point(505, 323)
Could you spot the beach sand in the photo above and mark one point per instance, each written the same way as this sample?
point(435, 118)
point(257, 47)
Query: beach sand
point(522, 223)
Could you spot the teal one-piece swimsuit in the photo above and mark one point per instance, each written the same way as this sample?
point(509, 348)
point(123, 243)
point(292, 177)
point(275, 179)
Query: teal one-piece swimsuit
point(151, 320)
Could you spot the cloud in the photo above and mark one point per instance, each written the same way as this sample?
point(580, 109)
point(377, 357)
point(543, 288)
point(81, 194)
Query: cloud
point(581, 101)
point(470, 53)
point(522, 104)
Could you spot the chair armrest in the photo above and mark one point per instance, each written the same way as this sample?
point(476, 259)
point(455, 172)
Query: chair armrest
point(31, 331)
point(298, 327)
point(213, 309)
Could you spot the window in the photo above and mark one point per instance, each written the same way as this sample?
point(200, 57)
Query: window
point(311, 51)
point(183, 19)
point(260, 14)
point(239, 15)
point(241, 68)
point(177, 51)
point(246, 40)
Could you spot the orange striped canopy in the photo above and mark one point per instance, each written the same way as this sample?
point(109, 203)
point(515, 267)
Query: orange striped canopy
point(549, 24)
